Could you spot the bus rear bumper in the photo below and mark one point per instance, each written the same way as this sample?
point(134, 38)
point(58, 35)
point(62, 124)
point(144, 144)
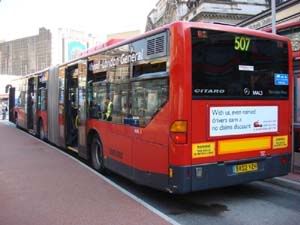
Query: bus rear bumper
point(201, 177)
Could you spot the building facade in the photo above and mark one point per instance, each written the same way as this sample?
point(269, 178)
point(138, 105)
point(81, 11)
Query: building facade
point(286, 11)
point(30, 54)
point(5, 81)
point(227, 11)
point(68, 43)
point(26, 55)
point(222, 11)
point(166, 11)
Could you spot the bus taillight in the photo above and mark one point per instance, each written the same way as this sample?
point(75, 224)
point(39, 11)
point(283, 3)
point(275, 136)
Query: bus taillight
point(178, 132)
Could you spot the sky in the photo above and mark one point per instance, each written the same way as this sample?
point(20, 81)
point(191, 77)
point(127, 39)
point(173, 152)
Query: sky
point(21, 18)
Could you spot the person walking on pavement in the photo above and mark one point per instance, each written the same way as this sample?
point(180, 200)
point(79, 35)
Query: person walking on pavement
point(4, 110)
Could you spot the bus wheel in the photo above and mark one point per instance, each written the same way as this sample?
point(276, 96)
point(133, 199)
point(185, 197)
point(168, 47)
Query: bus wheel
point(97, 155)
point(41, 133)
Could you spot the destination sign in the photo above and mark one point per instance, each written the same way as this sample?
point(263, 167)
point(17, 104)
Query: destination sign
point(116, 61)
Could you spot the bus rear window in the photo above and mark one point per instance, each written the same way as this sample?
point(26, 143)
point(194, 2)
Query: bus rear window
point(236, 66)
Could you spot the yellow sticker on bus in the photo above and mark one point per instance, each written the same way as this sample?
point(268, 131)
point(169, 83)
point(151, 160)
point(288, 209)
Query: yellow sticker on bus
point(280, 142)
point(204, 149)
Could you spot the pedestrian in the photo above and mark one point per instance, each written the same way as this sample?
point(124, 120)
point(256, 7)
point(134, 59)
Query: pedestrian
point(108, 109)
point(95, 110)
point(4, 111)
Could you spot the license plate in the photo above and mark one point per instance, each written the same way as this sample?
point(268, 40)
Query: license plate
point(244, 168)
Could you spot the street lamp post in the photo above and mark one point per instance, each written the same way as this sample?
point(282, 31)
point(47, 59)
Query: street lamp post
point(273, 10)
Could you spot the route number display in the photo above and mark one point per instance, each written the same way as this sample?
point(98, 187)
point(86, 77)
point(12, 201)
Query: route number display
point(241, 43)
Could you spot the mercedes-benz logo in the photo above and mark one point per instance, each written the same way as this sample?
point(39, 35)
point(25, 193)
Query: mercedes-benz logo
point(247, 91)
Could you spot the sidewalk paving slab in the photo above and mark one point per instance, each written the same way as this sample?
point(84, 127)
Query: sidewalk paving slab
point(292, 181)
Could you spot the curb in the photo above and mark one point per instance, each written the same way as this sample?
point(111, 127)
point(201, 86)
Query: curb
point(283, 182)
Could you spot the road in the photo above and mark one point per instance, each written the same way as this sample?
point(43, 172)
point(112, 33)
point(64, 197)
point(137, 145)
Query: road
point(257, 203)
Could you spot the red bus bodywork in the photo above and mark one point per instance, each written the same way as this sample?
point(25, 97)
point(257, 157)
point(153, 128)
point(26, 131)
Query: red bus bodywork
point(149, 155)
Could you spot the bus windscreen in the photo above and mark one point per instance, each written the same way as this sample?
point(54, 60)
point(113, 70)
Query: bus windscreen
point(237, 66)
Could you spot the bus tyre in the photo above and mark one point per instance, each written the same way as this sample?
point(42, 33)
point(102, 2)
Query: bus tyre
point(97, 155)
point(41, 133)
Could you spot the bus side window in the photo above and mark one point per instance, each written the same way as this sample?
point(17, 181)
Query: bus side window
point(41, 104)
point(118, 78)
point(150, 85)
point(119, 93)
point(148, 96)
point(21, 100)
point(97, 104)
point(138, 103)
point(44, 99)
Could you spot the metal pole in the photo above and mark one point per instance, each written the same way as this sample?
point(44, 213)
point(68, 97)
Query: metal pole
point(273, 10)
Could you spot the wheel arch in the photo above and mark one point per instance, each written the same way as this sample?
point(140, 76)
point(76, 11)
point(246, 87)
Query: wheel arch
point(96, 156)
point(91, 134)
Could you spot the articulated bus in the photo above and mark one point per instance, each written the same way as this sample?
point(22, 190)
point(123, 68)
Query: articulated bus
point(186, 107)
point(292, 31)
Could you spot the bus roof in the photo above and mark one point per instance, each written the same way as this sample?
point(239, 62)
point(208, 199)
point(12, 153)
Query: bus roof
point(100, 46)
point(35, 74)
point(119, 42)
point(283, 26)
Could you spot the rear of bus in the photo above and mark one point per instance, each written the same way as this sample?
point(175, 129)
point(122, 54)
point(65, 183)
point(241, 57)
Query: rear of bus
point(241, 107)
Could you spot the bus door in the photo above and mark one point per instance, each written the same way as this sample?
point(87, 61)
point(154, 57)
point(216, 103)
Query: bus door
point(34, 105)
point(61, 106)
point(41, 119)
point(71, 107)
point(75, 107)
point(31, 109)
point(11, 104)
point(82, 107)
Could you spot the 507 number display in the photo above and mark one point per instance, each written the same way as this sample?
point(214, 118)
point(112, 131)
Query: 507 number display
point(241, 43)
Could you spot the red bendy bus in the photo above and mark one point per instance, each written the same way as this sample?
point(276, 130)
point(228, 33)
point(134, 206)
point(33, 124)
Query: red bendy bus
point(186, 107)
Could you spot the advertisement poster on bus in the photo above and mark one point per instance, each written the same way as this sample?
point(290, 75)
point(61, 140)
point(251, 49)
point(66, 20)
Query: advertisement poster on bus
point(241, 120)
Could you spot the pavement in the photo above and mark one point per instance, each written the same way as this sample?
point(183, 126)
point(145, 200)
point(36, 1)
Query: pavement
point(292, 181)
point(41, 186)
